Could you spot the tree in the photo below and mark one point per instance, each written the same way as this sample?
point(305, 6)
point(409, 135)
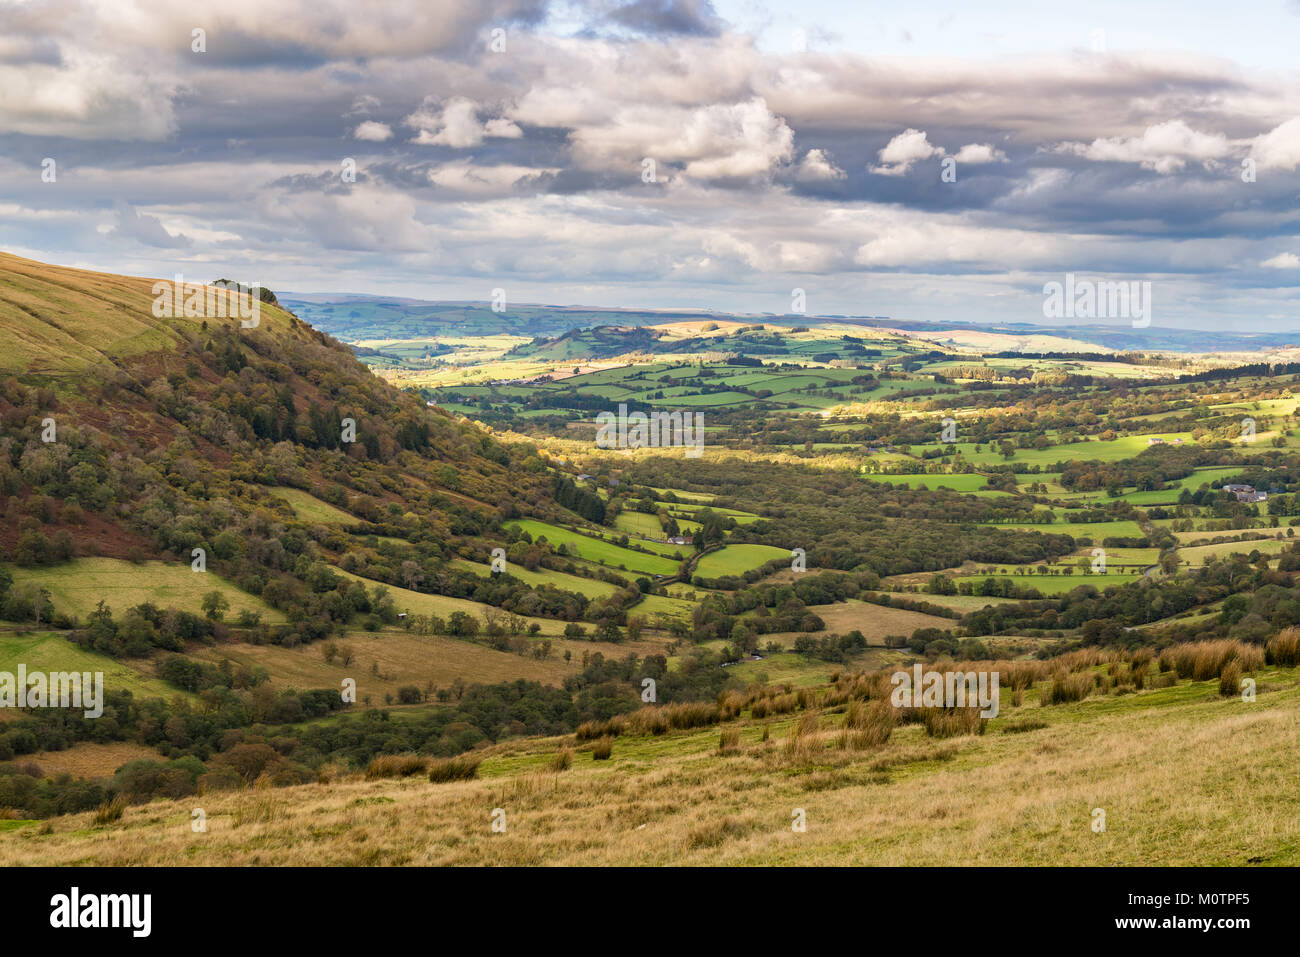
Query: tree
point(215, 605)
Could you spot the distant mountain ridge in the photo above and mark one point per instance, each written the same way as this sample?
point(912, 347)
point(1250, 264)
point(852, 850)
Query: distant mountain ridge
point(358, 317)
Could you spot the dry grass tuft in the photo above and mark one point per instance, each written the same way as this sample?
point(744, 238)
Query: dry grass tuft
point(463, 767)
point(396, 766)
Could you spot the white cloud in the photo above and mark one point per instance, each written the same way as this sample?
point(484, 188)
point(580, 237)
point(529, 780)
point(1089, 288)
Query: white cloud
point(817, 167)
point(471, 180)
point(976, 154)
point(1166, 148)
point(1279, 148)
point(1282, 261)
point(373, 132)
point(457, 125)
point(717, 141)
point(502, 129)
point(905, 149)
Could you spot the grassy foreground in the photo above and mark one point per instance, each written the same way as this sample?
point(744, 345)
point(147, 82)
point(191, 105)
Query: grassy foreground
point(1184, 777)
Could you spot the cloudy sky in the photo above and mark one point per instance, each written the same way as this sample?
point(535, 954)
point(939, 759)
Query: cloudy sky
point(667, 153)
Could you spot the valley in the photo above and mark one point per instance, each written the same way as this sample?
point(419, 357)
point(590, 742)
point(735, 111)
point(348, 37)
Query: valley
point(339, 589)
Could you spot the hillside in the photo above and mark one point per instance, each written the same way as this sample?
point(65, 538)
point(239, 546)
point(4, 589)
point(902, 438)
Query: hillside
point(300, 579)
point(1182, 775)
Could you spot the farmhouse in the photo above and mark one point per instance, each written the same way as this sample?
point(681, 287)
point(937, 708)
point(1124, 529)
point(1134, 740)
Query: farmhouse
point(1245, 493)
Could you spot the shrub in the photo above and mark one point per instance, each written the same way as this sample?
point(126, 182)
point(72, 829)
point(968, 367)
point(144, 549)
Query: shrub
point(1230, 679)
point(1020, 727)
point(867, 725)
point(396, 766)
point(562, 760)
point(951, 722)
point(1065, 688)
point(111, 811)
point(729, 742)
point(1284, 648)
point(602, 750)
point(461, 768)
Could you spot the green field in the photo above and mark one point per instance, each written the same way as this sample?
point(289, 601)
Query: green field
point(53, 652)
point(1058, 584)
point(639, 524)
point(590, 587)
point(1124, 447)
point(596, 550)
point(443, 606)
point(76, 587)
point(654, 605)
point(737, 559)
point(311, 509)
point(1196, 555)
point(1097, 531)
point(959, 482)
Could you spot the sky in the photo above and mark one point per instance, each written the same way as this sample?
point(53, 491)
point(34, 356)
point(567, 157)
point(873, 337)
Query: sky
point(942, 161)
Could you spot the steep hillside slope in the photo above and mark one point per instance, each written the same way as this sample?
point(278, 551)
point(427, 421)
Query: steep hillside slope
point(127, 435)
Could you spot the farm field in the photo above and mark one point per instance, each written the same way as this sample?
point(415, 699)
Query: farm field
point(443, 606)
point(78, 586)
point(874, 621)
point(402, 658)
point(971, 482)
point(89, 759)
point(598, 551)
point(1096, 531)
point(591, 587)
point(1112, 451)
point(51, 651)
point(1196, 555)
point(1058, 584)
point(737, 559)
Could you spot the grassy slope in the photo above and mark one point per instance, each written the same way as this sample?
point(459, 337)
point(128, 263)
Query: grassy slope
point(1184, 777)
point(311, 509)
point(737, 559)
point(53, 652)
point(595, 550)
point(61, 320)
point(420, 603)
point(874, 621)
point(404, 659)
point(77, 587)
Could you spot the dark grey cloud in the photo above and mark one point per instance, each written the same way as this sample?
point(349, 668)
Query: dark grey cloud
point(668, 17)
point(145, 229)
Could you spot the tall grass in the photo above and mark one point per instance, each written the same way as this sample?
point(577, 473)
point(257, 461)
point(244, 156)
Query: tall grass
point(1284, 648)
point(1205, 660)
point(1068, 687)
point(111, 811)
point(866, 725)
point(396, 766)
point(654, 719)
point(460, 768)
point(804, 743)
point(951, 722)
point(1230, 679)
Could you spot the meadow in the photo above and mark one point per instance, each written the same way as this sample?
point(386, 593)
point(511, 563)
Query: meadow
point(999, 798)
point(597, 550)
point(76, 587)
point(51, 651)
